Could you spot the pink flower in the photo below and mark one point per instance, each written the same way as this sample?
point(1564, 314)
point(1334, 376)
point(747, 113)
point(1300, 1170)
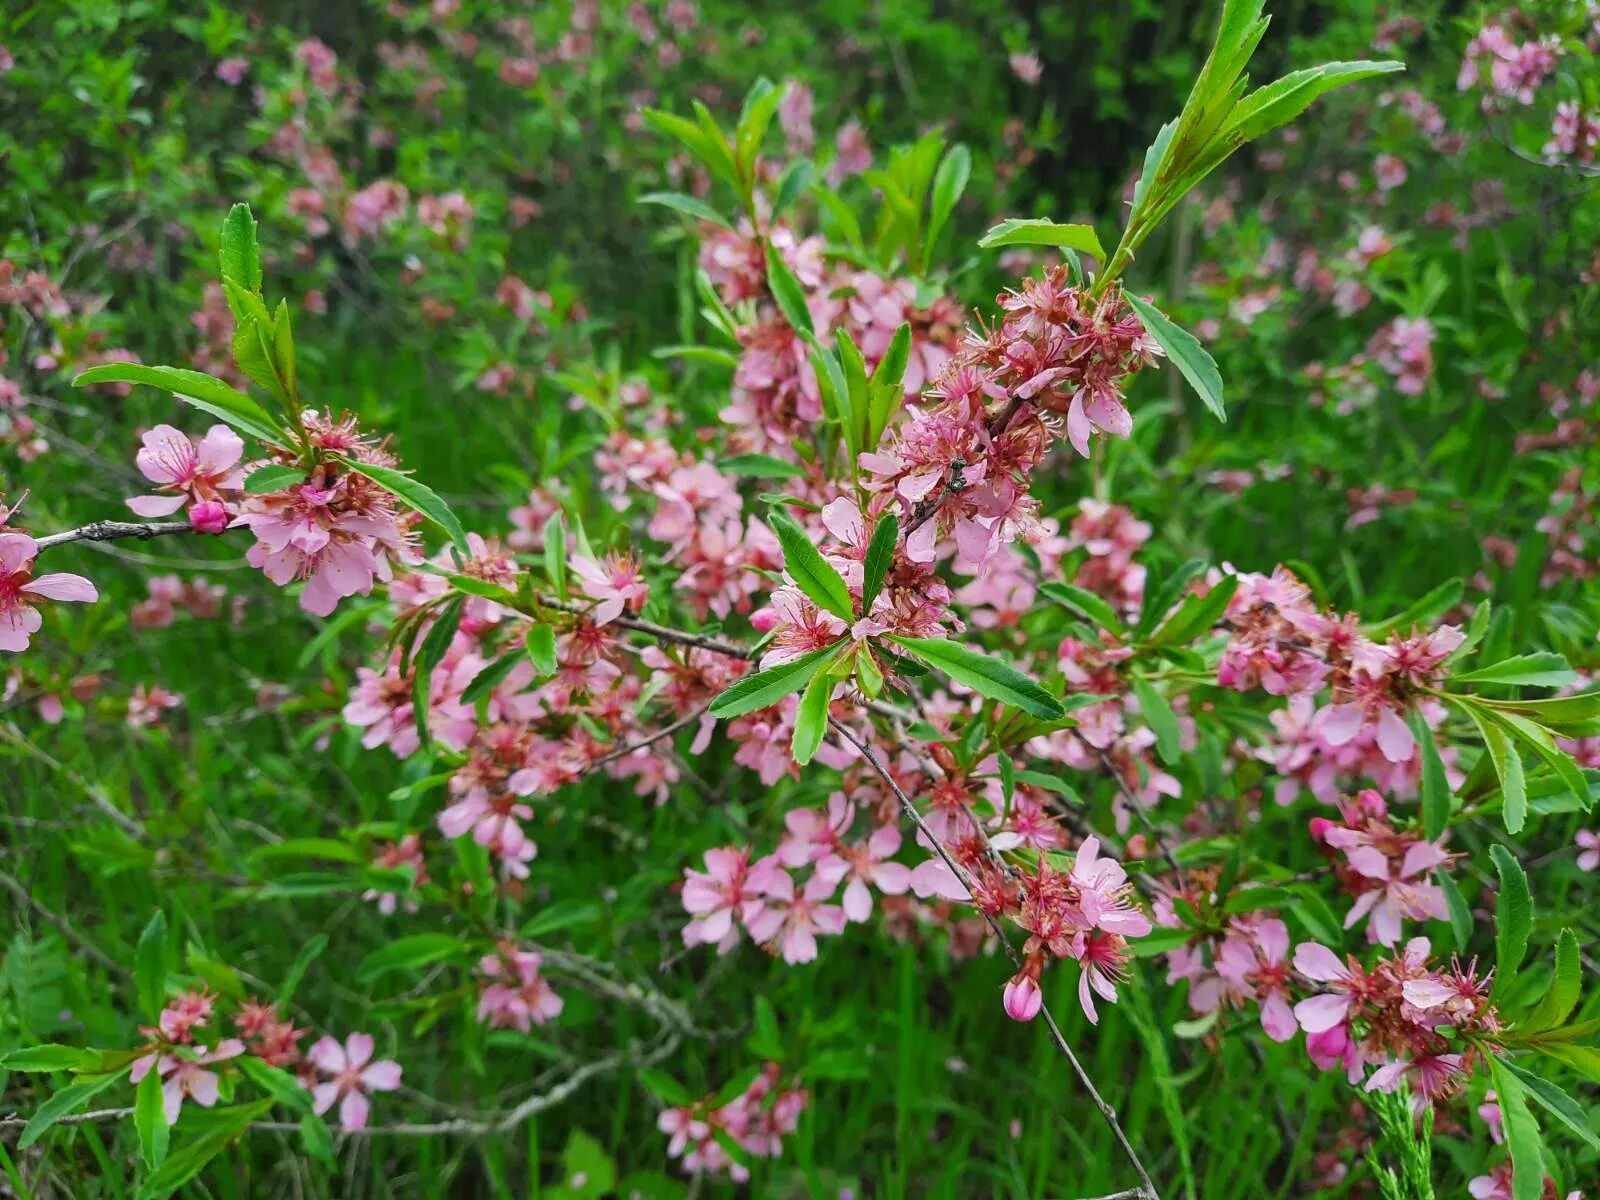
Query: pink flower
point(186, 1078)
point(617, 584)
point(524, 999)
point(1253, 960)
point(232, 70)
point(715, 896)
point(1588, 839)
point(20, 592)
point(1022, 998)
point(868, 868)
point(192, 473)
point(1331, 1009)
point(790, 920)
point(351, 1077)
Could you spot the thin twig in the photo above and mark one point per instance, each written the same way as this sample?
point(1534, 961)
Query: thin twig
point(1148, 1188)
point(649, 739)
point(63, 926)
point(111, 531)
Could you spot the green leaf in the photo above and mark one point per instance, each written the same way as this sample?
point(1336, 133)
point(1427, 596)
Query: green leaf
point(1196, 615)
point(1283, 100)
point(417, 496)
point(709, 145)
point(1186, 353)
point(1545, 669)
point(762, 466)
point(541, 648)
point(1159, 716)
point(1513, 918)
point(811, 718)
point(68, 1100)
point(786, 290)
point(272, 479)
point(307, 847)
point(1443, 597)
point(1566, 983)
point(50, 1057)
point(309, 953)
point(987, 676)
point(891, 369)
point(197, 390)
point(1460, 914)
point(555, 553)
point(812, 574)
point(665, 1088)
point(766, 688)
point(150, 966)
point(1038, 232)
point(796, 178)
point(1538, 739)
point(1435, 788)
point(1086, 602)
point(240, 257)
point(949, 182)
point(1555, 1101)
point(880, 553)
point(1521, 1132)
point(1507, 765)
point(688, 206)
point(490, 677)
point(150, 1119)
point(229, 1126)
point(407, 953)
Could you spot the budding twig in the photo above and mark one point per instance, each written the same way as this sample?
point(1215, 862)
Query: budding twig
point(1148, 1189)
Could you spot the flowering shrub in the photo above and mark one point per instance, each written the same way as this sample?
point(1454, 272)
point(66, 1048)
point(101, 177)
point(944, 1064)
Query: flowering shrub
point(805, 629)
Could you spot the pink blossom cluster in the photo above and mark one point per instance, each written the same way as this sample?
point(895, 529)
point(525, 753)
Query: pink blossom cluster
point(1404, 348)
point(515, 995)
point(186, 1055)
point(758, 1119)
point(785, 899)
point(1515, 70)
point(1574, 134)
point(776, 398)
point(1395, 1015)
point(1388, 871)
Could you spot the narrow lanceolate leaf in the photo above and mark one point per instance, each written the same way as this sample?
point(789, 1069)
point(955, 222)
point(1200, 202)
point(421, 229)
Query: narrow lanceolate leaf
point(240, 257)
point(150, 1119)
point(1507, 763)
point(948, 183)
point(150, 966)
point(1159, 716)
point(1435, 788)
point(1460, 915)
point(272, 479)
point(416, 496)
point(891, 368)
point(1527, 670)
point(880, 553)
point(68, 1100)
point(1566, 983)
point(761, 466)
point(989, 677)
point(227, 1126)
point(408, 953)
point(811, 718)
point(812, 574)
point(1513, 917)
point(788, 293)
point(687, 205)
point(555, 553)
point(766, 688)
point(197, 390)
point(1283, 100)
point(541, 646)
point(1555, 1102)
point(1023, 232)
point(1085, 602)
point(1521, 1132)
point(1186, 353)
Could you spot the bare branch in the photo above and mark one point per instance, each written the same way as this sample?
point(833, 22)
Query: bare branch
point(111, 531)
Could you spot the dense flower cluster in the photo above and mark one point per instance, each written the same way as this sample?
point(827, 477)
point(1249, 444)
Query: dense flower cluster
point(756, 1120)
